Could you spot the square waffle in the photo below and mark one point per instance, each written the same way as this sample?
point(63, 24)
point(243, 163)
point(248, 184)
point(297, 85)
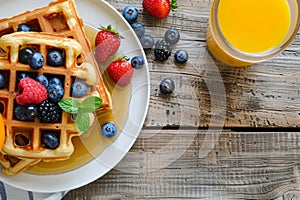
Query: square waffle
point(55, 26)
point(60, 18)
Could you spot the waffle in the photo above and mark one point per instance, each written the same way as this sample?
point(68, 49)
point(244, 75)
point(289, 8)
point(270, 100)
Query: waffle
point(55, 26)
point(60, 18)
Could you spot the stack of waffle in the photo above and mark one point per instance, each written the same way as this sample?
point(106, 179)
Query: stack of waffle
point(56, 26)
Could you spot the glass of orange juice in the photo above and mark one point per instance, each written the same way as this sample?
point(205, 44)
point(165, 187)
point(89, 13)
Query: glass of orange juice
point(243, 32)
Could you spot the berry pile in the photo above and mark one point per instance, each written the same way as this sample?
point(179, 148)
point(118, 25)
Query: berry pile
point(162, 47)
point(38, 96)
point(36, 60)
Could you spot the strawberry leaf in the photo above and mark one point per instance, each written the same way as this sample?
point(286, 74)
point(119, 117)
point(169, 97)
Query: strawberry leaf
point(82, 121)
point(174, 4)
point(69, 105)
point(109, 28)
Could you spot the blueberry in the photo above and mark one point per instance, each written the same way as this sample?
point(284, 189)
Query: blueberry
point(79, 89)
point(43, 80)
point(172, 36)
point(181, 56)
point(36, 60)
point(55, 93)
point(23, 75)
point(137, 62)
point(109, 129)
point(24, 28)
point(147, 42)
point(2, 81)
point(50, 140)
point(19, 112)
point(138, 28)
point(24, 55)
point(167, 86)
point(31, 112)
point(130, 13)
point(55, 81)
point(55, 58)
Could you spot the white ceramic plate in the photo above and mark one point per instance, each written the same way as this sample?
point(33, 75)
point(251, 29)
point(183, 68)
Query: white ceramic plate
point(95, 13)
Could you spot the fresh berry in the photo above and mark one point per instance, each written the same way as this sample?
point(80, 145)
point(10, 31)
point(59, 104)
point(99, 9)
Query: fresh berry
point(130, 13)
point(109, 129)
point(137, 62)
point(36, 60)
point(138, 28)
point(55, 81)
point(31, 112)
point(24, 28)
point(43, 80)
point(162, 50)
point(50, 140)
point(181, 56)
point(2, 81)
point(79, 89)
point(19, 112)
point(167, 86)
point(49, 112)
point(55, 93)
point(172, 36)
point(107, 43)
point(30, 92)
point(24, 75)
point(159, 8)
point(147, 42)
point(120, 71)
point(24, 55)
point(55, 58)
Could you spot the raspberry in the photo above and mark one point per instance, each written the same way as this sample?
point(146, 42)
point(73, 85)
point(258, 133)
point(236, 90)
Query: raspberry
point(30, 92)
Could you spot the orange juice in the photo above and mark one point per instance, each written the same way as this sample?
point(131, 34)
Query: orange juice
point(254, 26)
point(243, 32)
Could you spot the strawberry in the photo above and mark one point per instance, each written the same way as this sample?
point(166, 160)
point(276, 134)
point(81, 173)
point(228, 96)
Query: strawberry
point(107, 43)
point(120, 71)
point(159, 8)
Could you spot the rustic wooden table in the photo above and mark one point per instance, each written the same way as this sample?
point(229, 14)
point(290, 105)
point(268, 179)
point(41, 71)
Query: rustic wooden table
point(225, 132)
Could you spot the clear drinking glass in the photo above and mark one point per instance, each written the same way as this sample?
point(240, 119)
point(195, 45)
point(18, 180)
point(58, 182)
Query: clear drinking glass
point(224, 51)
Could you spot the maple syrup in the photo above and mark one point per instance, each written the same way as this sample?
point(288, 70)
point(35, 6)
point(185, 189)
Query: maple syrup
point(92, 143)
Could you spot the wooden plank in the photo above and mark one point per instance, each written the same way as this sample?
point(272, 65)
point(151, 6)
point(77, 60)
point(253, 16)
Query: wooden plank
point(263, 95)
point(242, 165)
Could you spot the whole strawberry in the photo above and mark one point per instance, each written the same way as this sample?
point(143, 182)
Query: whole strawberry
point(159, 8)
point(107, 43)
point(30, 92)
point(120, 71)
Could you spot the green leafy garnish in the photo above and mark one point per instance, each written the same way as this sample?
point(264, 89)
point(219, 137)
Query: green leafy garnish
point(82, 110)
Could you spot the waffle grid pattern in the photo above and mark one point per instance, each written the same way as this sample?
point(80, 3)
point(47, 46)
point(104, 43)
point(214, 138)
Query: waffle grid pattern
point(50, 26)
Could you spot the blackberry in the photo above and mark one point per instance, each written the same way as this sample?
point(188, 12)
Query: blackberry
point(49, 112)
point(162, 50)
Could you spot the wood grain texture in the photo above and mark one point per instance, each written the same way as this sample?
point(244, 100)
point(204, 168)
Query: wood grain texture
point(263, 95)
point(242, 165)
point(179, 155)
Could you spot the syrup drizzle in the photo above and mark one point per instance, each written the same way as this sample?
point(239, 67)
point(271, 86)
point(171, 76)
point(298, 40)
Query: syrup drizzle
point(92, 143)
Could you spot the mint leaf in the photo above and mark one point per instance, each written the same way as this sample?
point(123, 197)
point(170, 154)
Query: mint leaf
point(83, 121)
point(90, 104)
point(69, 105)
